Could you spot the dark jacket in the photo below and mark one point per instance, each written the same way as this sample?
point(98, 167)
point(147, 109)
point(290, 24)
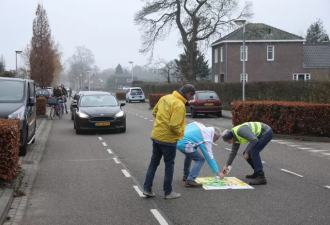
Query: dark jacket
point(65, 92)
point(57, 93)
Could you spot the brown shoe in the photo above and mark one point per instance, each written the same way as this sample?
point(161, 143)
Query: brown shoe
point(184, 178)
point(192, 183)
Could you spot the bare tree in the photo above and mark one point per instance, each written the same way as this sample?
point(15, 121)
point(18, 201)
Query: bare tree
point(165, 68)
point(41, 55)
point(198, 21)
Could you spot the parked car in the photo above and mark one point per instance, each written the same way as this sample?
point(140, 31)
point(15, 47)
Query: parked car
point(99, 111)
point(126, 88)
point(135, 94)
point(50, 89)
point(17, 101)
point(205, 102)
point(43, 93)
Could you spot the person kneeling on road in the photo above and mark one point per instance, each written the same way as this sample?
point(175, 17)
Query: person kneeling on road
point(259, 135)
point(197, 135)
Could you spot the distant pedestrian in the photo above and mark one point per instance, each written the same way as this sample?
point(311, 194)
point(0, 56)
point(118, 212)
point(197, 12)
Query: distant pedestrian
point(258, 135)
point(70, 92)
point(196, 135)
point(169, 126)
point(65, 95)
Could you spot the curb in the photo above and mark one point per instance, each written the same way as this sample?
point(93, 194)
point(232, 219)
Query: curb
point(6, 200)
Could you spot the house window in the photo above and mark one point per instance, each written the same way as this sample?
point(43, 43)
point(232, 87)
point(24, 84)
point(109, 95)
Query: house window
point(216, 78)
point(129, 79)
point(216, 55)
point(301, 76)
point(120, 86)
point(246, 53)
point(270, 53)
point(221, 54)
point(222, 78)
point(246, 77)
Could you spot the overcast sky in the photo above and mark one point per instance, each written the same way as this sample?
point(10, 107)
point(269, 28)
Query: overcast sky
point(106, 27)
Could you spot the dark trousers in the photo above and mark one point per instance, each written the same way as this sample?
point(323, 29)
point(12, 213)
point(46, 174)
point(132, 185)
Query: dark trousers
point(159, 150)
point(254, 157)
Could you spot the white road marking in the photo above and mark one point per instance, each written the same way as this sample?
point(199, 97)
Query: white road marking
point(294, 145)
point(263, 161)
point(327, 187)
point(159, 217)
point(228, 149)
point(104, 144)
point(318, 150)
point(126, 173)
point(141, 116)
point(100, 138)
point(304, 148)
point(145, 118)
point(137, 114)
point(285, 143)
point(151, 120)
point(137, 189)
point(109, 150)
point(326, 153)
point(292, 173)
point(116, 160)
point(276, 140)
point(215, 144)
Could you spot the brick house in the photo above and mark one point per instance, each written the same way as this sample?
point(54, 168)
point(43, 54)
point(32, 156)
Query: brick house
point(96, 83)
point(271, 55)
point(124, 79)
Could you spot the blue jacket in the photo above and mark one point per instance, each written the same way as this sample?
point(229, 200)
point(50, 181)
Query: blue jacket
point(197, 135)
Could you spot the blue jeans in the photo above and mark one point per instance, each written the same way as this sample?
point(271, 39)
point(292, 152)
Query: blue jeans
point(254, 159)
point(159, 150)
point(199, 161)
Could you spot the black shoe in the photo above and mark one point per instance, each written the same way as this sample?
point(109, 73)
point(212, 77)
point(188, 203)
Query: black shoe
point(184, 178)
point(252, 176)
point(66, 112)
point(259, 180)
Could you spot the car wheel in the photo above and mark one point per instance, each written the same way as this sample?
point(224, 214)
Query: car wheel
point(219, 114)
point(129, 101)
point(22, 150)
point(193, 113)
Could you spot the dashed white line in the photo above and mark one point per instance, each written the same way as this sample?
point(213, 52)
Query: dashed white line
point(100, 138)
point(215, 144)
point(109, 150)
point(294, 145)
point(116, 160)
point(137, 189)
point(318, 150)
point(104, 144)
point(159, 217)
point(305, 148)
point(141, 116)
point(327, 187)
point(326, 153)
point(292, 173)
point(228, 149)
point(145, 118)
point(126, 173)
point(276, 140)
point(151, 120)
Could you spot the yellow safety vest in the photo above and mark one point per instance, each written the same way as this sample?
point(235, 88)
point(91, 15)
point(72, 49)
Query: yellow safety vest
point(255, 128)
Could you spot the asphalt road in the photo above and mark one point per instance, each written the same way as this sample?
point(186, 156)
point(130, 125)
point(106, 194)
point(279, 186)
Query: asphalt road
point(93, 179)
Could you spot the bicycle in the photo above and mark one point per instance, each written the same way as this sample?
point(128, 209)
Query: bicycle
point(56, 108)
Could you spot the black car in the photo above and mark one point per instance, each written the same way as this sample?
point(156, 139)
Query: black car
point(74, 102)
point(43, 93)
point(17, 101)
point(99, 111)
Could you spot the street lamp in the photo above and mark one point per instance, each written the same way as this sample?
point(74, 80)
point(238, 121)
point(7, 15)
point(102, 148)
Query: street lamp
point(239, 23)
point(17, 52)
point(131, 62)
point(81, 83)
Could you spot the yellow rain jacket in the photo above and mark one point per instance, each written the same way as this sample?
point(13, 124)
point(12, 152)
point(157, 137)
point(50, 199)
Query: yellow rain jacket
point(170, 114)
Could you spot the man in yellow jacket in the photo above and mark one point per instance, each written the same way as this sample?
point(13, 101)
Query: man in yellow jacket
point(170, 114)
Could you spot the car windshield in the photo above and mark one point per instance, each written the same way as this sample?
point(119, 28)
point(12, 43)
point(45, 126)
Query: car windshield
point(42, 92)
point(11, 91)
point(98, 101)
point(207, 96)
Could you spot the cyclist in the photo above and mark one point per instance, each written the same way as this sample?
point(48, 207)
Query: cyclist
point(65, 95)
point(58, 94)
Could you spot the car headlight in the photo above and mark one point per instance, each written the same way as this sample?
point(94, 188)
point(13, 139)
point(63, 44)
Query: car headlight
point(82, 115)
point(18, 114)
point(120, 114)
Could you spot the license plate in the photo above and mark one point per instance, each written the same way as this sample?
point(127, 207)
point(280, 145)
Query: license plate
point(209, 104)
point(102, 124)
point(41, 96)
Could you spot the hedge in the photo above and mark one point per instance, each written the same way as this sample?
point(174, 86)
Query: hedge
point(9, 148)
point(285, 117)
point(121, 95)
point(154, 98)
point(41, 106)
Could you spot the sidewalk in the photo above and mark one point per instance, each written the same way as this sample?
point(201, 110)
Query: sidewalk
point(7, 201)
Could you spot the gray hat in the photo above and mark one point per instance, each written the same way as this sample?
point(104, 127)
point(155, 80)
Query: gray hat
point(227, 135)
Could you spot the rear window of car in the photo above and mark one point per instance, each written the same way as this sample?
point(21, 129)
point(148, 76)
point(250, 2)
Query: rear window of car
point(207, 96)
point(136, 91)
point(42, 92)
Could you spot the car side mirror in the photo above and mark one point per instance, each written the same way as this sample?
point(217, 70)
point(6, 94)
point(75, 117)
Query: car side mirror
point(122, 104)
point(32, 101)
